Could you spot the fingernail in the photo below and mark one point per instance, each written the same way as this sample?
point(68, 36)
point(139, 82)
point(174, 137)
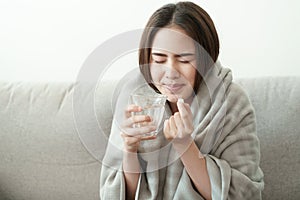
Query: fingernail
point(180, 100)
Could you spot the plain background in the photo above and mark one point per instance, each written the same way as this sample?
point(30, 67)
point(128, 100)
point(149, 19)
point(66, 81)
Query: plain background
point(49, 40)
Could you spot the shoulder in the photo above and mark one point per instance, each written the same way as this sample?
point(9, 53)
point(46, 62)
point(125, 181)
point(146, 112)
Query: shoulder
point(236, 91)
point(239, 110)
point(237, 97)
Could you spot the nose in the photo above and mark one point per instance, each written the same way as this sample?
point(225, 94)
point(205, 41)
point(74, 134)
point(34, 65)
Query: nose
point(171, 70)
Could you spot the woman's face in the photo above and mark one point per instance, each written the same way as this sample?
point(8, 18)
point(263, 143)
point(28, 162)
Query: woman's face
point(173, 63)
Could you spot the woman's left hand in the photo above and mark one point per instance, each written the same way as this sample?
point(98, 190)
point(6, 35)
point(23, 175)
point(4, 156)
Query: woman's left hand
point(180, 125)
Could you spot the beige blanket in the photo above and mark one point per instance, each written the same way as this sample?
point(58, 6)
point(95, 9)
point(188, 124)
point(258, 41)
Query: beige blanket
point(225, 131)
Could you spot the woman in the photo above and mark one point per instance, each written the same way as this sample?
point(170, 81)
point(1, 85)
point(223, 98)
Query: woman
point(208, 148)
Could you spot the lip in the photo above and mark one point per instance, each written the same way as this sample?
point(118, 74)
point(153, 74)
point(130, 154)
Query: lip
point(173, 87)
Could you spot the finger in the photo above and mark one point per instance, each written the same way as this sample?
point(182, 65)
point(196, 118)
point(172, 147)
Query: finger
point(188, 109)
point(173, 127)
point(136, 119)
point(129, 140)
point(179, 124)
point(132, 108)
point(167, 130)
point(131, 144)
point(186, 116)
point(151, 137)
point(139, 131)
point(166, 126)
point(185, 110)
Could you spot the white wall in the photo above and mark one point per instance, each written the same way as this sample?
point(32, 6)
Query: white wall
point(49, 40)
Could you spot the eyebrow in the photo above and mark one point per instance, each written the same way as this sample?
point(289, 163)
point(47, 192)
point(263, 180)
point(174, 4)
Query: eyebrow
point(177, 55)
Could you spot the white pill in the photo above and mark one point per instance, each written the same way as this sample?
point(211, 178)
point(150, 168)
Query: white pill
point(180, 100)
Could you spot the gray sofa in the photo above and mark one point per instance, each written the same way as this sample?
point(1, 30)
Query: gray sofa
point(42, 155)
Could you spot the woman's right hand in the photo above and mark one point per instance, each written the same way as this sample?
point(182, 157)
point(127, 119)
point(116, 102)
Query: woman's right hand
point(133, 135)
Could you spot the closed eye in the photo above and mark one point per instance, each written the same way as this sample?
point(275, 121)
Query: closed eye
point(159, 61)
point(184, 61)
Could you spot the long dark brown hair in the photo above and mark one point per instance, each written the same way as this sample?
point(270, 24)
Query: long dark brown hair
point(196, 23)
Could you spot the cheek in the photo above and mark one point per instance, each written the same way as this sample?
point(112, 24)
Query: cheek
point(190, 75)
point(193, 78)
point(156, 73)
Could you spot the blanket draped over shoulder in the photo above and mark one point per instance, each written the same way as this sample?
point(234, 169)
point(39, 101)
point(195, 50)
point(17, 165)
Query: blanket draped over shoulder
point(225, 131)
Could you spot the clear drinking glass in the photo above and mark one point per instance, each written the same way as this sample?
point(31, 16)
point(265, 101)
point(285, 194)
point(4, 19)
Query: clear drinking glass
point(152, 105)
